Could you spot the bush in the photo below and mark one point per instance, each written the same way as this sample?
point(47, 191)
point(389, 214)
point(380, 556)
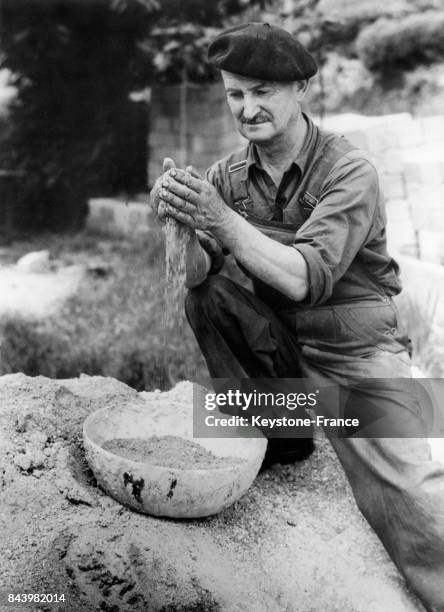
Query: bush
point(389, 46)
point(74, 133)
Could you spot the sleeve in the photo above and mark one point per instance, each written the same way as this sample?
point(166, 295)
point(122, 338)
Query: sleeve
point(209, 243)
point(339, 226)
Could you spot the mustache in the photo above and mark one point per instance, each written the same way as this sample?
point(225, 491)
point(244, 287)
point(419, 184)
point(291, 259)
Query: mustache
point(255, 120)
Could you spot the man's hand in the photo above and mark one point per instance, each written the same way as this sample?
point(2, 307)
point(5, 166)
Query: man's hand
point(159, 205)
point(196, 203)
point(192, 200)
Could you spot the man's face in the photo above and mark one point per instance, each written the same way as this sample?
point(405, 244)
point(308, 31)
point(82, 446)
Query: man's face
point(263, 110)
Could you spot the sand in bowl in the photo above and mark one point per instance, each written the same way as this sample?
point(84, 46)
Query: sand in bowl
point(169, 452)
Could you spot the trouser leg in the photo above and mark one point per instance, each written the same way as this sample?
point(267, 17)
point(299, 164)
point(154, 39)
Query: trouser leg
point(400, 491)
point(242, 338)
point(238, 334)
point(397, 486)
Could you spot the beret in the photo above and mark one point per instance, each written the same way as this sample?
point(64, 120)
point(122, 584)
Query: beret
point(261, 51)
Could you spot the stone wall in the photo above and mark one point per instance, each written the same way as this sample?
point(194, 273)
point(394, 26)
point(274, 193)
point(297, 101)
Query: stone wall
point(409, 156)
point(408, 153)
point(199, 130)
point(118, 217)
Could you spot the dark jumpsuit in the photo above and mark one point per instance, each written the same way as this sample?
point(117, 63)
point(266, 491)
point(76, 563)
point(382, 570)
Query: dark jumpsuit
point(330, 208)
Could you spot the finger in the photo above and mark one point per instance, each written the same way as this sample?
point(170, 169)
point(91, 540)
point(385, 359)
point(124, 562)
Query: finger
point(171, 186)
point(186, 179)
point(162, 211)
point(193, 172)
point(168, 164)
point(178, 202)
point(180, 216)
point(155, 195)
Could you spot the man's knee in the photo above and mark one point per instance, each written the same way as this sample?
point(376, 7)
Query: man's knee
point(208, 297)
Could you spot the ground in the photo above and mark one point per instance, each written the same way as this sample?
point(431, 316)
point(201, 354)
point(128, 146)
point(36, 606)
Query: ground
point(37, 295)
point(295, 542)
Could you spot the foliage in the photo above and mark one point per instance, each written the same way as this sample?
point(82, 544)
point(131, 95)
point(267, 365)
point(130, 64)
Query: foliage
point(345, 82)
point(389, 46)
point(75, 132)
point(334, 24)
point(179, 42)
point(180, 52)
point(330, 29)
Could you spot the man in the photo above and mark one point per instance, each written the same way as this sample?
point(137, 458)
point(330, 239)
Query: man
point(302, 213)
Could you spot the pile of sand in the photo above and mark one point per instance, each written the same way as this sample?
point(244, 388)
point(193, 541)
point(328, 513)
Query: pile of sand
point(294, 542)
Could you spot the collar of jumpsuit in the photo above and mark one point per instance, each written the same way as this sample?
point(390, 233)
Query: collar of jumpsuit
point(278, 197)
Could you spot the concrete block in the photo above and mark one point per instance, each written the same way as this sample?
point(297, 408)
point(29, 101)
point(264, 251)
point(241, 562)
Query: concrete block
point(409, 135)
point(392, 184)
point(198, 144)
point(427, 208)
point(344, 123)
point(431, 246)
point(154, 170)
point(400, 228)
point(412, 172)
point(389, 160)
point(357, 138)
point(159, 139)
point(397, 210)
point(100, 215)
point(382, 138)
point(426, 172)
point(118, 218)
point(426, 195)
point(432, 128)
point(161, 124)
point(401, 237)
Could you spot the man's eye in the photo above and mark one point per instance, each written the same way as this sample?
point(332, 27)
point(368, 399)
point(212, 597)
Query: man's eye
point(235, 95)
point(261, 92)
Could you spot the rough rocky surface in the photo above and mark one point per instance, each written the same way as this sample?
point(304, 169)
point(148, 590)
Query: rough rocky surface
point(295, 542)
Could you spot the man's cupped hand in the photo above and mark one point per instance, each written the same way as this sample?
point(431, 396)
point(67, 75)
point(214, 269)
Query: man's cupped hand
point(191, 199)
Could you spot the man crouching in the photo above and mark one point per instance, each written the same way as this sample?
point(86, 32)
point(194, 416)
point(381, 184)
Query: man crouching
point(302, 213)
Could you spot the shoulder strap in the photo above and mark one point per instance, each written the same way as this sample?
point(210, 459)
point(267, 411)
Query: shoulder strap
point(324, 157)
point(238, 178)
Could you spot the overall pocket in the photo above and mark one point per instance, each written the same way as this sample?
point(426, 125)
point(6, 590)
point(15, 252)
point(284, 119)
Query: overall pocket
point(359, 330)
point(369, 327)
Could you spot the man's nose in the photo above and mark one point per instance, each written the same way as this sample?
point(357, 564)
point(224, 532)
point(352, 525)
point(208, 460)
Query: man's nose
point(251, 108)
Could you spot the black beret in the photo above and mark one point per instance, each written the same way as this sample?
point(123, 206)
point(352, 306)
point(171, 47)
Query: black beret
point(261, 51)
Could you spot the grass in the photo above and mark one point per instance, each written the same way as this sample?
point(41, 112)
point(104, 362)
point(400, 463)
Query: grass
point(114, 326)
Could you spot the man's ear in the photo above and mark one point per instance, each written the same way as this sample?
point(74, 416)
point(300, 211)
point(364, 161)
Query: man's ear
point(302, 88)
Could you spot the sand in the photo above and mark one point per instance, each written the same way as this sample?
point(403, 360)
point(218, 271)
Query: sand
point(295, 542)
point(167, 451)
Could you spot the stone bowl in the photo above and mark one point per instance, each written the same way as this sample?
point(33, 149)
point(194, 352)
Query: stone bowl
point(166, 491)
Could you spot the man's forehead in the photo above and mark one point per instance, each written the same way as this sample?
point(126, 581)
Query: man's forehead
point(232, 80)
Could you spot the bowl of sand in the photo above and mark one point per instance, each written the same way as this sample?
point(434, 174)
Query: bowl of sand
point(144, 455)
